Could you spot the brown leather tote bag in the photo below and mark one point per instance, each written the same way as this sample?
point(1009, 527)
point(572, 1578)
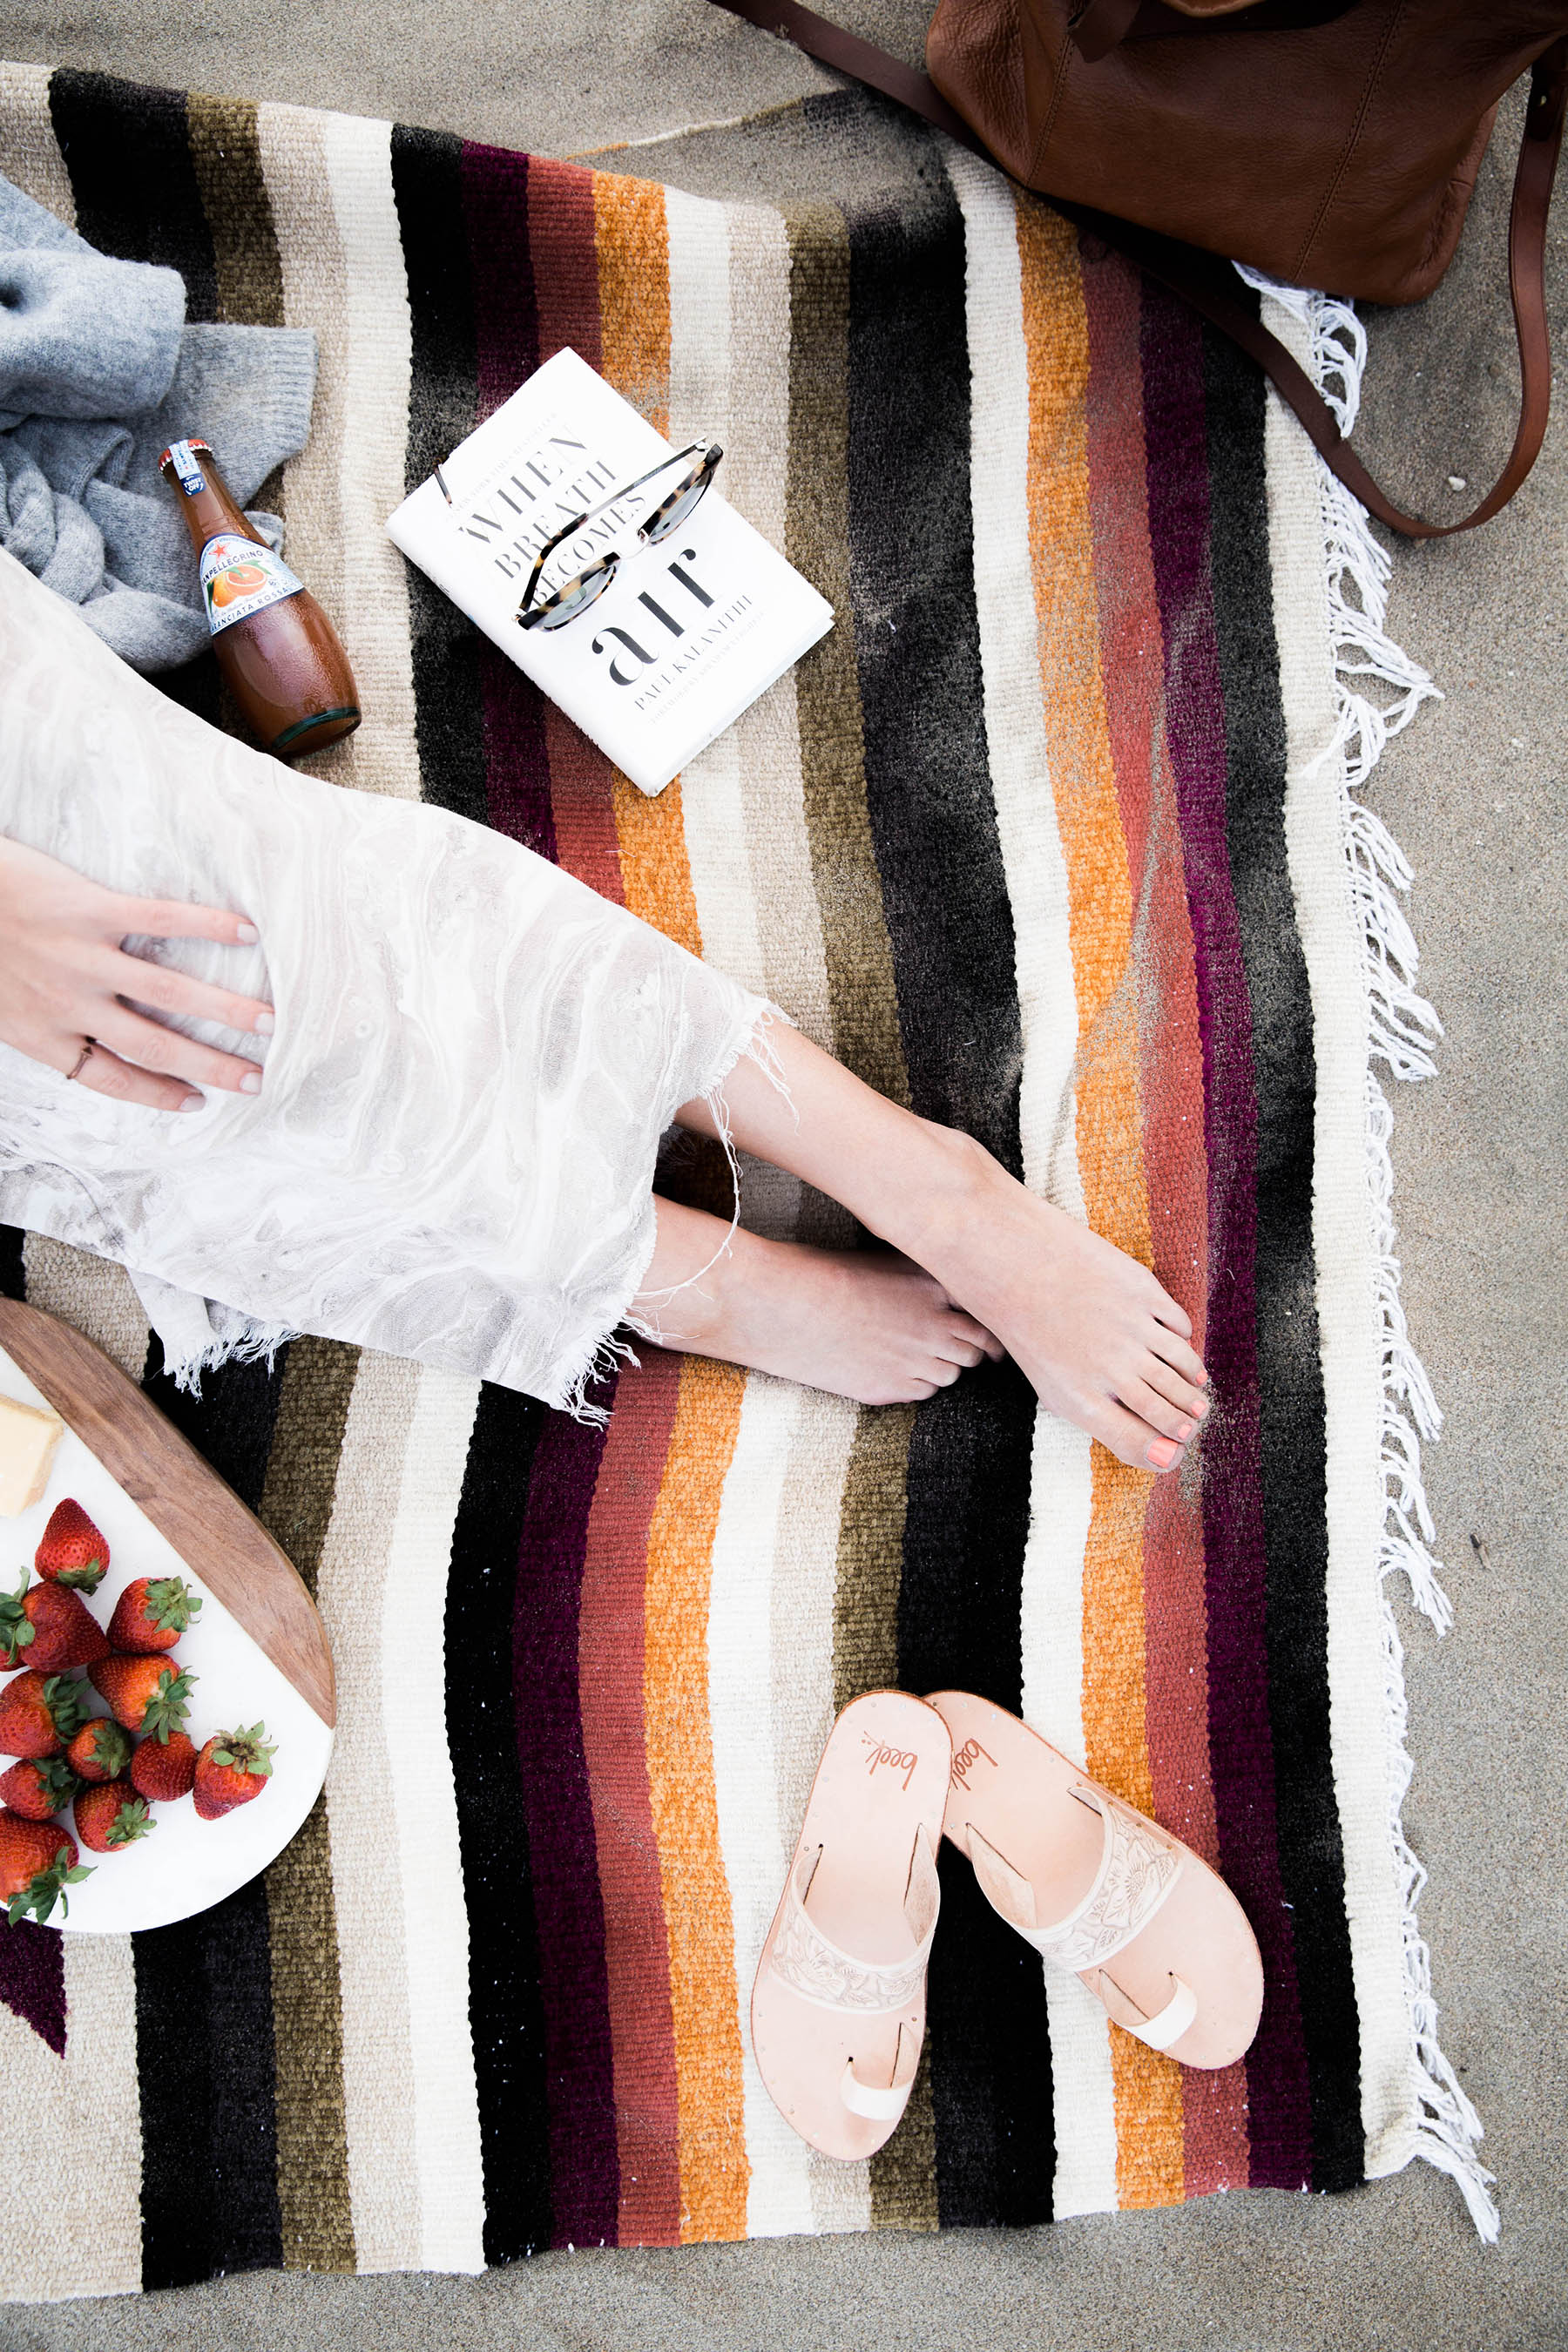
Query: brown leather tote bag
point(1332, 143)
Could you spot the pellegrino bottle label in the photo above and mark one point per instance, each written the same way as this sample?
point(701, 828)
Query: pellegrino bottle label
point(241, 576)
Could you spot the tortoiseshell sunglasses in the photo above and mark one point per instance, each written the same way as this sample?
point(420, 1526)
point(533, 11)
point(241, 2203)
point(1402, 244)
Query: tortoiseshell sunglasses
point(576, 595)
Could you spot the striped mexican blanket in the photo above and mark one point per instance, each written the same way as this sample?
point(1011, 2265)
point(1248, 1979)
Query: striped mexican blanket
point(1050, 838)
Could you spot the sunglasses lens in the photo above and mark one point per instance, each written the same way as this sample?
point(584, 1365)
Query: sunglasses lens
point(677, 507)
point(574, 598)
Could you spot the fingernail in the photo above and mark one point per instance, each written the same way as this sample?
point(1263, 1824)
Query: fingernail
point(1161, 1454)
point(1184, 1430)
point(264, 1025)
point(191, 1102)
point(251, 1083)
point(248, 934)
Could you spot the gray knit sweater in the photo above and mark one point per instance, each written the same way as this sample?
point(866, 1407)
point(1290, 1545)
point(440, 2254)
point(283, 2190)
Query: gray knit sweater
point(98, 372)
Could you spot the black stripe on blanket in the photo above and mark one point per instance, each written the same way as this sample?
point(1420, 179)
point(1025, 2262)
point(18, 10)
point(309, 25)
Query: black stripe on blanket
point(137, 197)
point(506, 2015)
point(1289, 1371)
point(135, 187)
point(949, 925)
point(427, 186)
point(204, 1987)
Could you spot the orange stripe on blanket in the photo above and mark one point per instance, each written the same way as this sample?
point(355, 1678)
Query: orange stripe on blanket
point(656, 873)
point(1108, 1108)
point(610, 1690)
point(714, 2173)
point(634, 292)
point(634, 318)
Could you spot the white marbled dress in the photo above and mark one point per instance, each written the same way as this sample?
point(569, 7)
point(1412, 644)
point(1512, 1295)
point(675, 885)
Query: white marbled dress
point(452, 1153)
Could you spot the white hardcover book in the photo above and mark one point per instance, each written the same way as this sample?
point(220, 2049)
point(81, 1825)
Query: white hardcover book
point(690, 631)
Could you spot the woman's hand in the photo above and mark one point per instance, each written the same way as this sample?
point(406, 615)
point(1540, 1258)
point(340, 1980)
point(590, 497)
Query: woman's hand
point(65, 978)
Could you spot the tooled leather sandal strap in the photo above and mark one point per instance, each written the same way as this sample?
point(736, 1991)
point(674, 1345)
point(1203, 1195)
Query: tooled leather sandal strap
point(1139, 1865)
point(822, 1972)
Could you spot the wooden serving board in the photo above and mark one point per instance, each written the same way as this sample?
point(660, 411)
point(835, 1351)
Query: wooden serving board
point(185, 1499)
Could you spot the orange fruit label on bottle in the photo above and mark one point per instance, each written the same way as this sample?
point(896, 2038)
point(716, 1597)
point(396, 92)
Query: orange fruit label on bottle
point(241, 576)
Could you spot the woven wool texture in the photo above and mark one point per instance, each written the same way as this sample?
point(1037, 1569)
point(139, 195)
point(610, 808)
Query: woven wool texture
point(1041, 840)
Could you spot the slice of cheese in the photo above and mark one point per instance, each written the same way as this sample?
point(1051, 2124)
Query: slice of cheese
point(28, 1436)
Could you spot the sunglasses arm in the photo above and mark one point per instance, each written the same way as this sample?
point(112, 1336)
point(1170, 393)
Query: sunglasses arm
point(545, 552)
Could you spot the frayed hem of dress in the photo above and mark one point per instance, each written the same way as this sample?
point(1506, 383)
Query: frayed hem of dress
point(194, 1342)
point(197, 1335)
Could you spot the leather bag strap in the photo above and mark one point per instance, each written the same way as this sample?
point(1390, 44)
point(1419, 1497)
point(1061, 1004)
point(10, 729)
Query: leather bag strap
point(1210, 284)
point(846, 53)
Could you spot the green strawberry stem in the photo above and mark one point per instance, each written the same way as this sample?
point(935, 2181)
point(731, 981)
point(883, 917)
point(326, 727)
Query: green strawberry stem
point(247, 1751)
point(171, 1604)
point(166, 1709)
point(86, 1578)
point(57, 1779)
point(45, 1889)
point(112, 1747)
point(16, 1626)
point(67, 1708)
point(131, 1822)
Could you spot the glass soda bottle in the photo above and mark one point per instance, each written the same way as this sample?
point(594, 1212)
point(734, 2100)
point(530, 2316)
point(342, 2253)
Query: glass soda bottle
point(274, 644)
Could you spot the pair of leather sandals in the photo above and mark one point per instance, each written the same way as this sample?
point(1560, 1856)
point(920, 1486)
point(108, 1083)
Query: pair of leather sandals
point(839, 2004)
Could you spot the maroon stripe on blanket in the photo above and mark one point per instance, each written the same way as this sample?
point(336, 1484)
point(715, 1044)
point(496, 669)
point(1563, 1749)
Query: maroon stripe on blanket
point(558, 1809)
point(1241, 1735)
point(506, 325)
point(33, 1979)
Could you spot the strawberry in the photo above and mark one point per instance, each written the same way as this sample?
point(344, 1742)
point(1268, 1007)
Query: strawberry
point(36, 1791)
point(49, 1629)
point(232, 1769)
point(145, 1695)
point(109, 1817)
point(72, 1551)
point(38, 1712)
point(163, 1768)
point(37, 1863)
point(101, 1750)
point(150, 1614)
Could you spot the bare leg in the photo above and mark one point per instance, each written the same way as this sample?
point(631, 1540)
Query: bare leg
point(865, 1323)
point(1103, 1343)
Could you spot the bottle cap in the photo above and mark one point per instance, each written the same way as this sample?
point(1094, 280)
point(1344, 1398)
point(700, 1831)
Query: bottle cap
point(182, 455)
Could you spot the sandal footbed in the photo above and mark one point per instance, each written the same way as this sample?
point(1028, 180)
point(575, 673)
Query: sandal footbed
point(883, 1775)
point(1016, 1790)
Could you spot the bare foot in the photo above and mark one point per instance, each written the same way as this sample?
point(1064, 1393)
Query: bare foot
point(865, 1324)
point(1103, 1343)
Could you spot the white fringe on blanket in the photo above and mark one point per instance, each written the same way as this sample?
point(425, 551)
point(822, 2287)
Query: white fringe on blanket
point(1403, 1029)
